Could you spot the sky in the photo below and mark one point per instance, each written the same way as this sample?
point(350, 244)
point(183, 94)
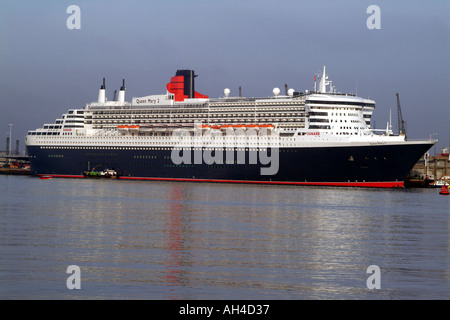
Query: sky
point(47, 68)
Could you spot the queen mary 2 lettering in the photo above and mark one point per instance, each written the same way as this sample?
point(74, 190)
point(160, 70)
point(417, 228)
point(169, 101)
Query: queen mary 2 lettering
point(317, 137)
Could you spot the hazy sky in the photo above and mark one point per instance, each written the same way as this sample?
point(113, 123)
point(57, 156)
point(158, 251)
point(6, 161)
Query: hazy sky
point(46, 68)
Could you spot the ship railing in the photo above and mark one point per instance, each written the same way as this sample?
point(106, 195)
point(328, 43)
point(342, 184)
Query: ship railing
point(378, 132)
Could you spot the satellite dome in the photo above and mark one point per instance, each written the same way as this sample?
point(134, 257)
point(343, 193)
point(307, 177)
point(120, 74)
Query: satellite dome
point(276, 91)
point(291, 92)
point(226, 92)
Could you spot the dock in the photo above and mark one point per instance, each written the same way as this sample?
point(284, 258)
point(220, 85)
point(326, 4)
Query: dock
point(429, 169)
point(16, 171)
point(14, 164)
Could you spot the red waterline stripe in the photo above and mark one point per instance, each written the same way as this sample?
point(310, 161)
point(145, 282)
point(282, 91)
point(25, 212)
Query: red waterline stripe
point(384, 184)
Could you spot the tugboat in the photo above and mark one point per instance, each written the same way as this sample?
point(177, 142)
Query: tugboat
point(107, 173)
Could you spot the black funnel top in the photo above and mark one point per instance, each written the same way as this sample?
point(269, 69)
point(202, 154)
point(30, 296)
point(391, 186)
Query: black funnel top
point(189, 86)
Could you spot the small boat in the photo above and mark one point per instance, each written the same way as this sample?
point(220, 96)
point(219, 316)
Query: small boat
point(45, 177)
point(444, 190)
point(443, 181)
point(133, 128)
point(107, 173)
point(203, 127)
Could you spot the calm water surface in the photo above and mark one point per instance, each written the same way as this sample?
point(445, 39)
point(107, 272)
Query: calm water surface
point(158, 240)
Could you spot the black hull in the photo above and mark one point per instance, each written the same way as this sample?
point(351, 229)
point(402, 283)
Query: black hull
point(372, 166)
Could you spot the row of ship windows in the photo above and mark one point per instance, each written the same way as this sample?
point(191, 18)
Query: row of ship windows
point(65, 127)
point(170, 146)
point(200, 112)
point(73, 117)
point(259, 120)
point(257, 104)
point(187, 113)
point(49, 133)
point(203, 116)
point(337, 133)
point(332, 120)
point(337, 114)
point(140, 157)
point(111, 165)
point(347, 103)
point(143, 137)
point(109, 154)
point(259, 108)
point(299, 124)
point(227, 165)
point(33, 133)
point(192, 110)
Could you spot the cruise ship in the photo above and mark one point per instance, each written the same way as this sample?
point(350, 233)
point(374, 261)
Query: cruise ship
point(318, 137)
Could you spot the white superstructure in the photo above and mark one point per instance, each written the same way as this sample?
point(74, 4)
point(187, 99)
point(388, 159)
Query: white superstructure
point(295, 119)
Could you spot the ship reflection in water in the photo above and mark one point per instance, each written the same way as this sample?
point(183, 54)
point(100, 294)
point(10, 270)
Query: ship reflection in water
point(175, 239)
point(166, 240)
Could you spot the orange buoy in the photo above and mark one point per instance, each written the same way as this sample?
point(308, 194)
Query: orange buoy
point(444, 190)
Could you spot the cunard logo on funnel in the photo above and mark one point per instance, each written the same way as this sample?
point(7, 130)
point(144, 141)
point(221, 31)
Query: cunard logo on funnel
point(228, 145)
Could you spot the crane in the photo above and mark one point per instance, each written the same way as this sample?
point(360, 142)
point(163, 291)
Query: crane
point(401, 122)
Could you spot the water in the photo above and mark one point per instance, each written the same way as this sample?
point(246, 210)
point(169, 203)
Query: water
point(169, 240)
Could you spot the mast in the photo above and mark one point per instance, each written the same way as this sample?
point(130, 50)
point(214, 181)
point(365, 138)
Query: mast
point(324, 82)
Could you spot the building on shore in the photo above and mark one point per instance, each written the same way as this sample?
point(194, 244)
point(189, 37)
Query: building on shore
point(431, 167)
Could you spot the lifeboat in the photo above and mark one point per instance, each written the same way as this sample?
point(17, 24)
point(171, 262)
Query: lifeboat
point(267, 126)
point(204, 127)
point(215, 127)
point(252, 126)
point(444, 190)
point(226, 127)
point(133, 128)
point(239, 126)
point(122, 128)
